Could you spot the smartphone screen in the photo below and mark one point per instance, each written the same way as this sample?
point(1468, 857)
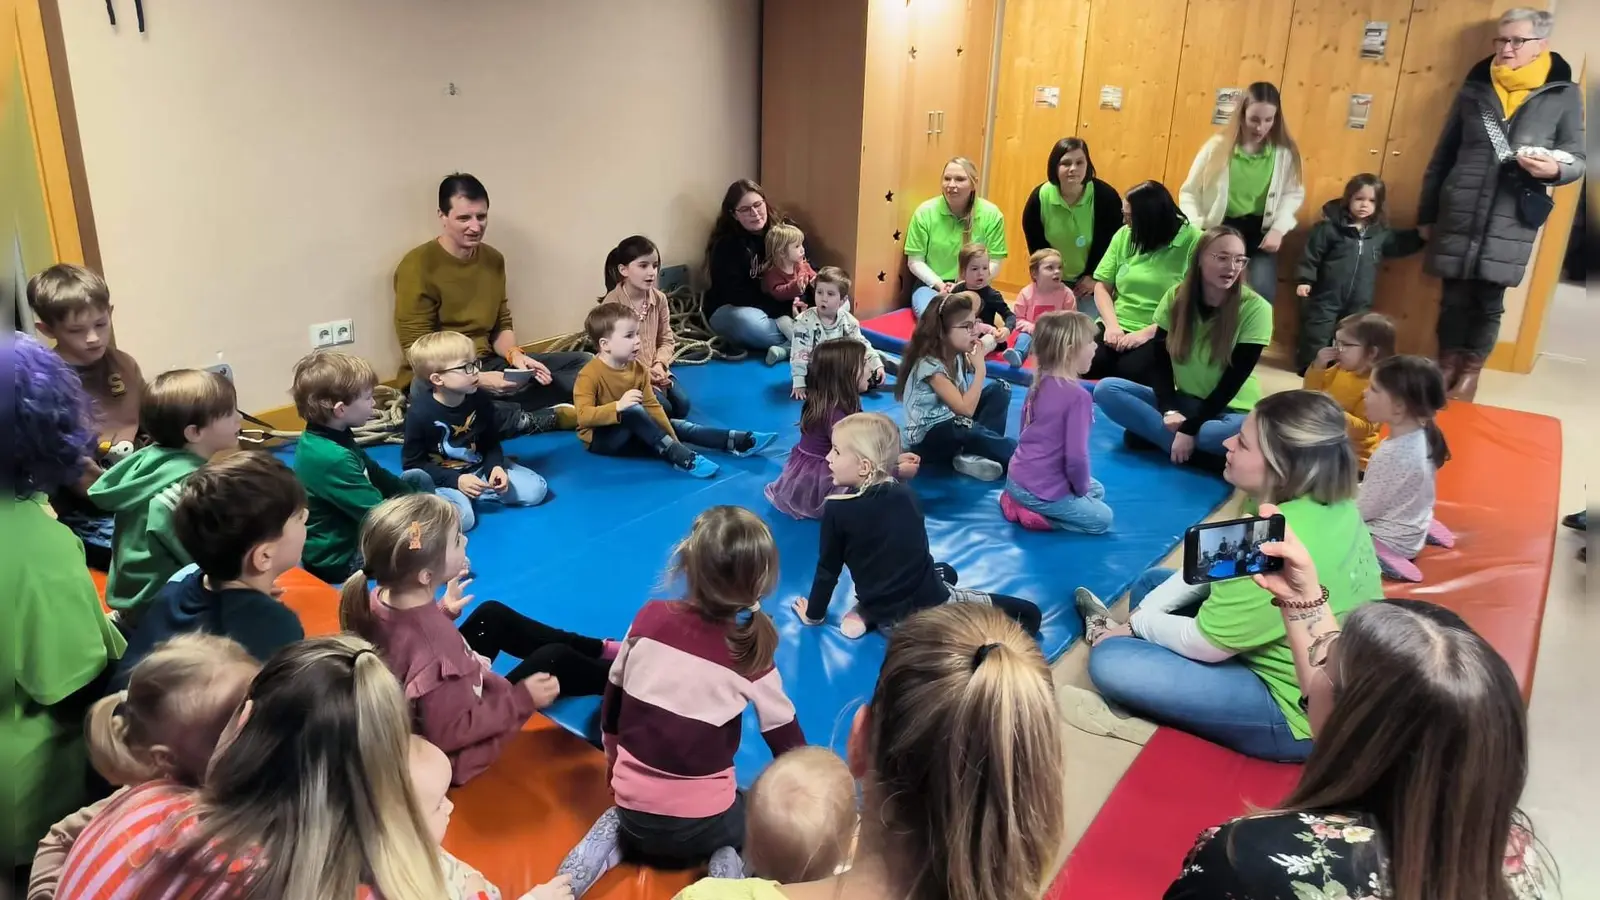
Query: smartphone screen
point(1218, 551)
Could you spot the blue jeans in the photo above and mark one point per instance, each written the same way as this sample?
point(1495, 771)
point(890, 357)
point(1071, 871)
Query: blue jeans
point(985, 437)
point(921, 297)
point(675, 400)
point(1022, 343)
point(526, 488)
point(1262, 274)
point(1133, 406)
point(747, 326)
point(636, 434)
point(1088, 514)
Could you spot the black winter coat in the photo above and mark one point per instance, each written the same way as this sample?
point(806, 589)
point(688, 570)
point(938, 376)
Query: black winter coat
point(1341, 262)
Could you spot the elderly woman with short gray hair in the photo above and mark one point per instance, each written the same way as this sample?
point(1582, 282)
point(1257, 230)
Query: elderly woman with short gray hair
point(1516, 129)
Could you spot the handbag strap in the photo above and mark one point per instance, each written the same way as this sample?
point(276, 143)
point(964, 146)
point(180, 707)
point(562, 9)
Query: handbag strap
point(1496, 132)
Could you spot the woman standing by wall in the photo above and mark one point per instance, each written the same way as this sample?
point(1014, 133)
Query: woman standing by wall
point(1073, 213)
point(1248, 177)
point(735, 306)
point(942, 225)
point(1516, 129)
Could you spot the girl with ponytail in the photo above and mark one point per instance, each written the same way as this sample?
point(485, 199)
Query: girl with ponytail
point(675, 702)
point(412, 545)
point(1397, 495)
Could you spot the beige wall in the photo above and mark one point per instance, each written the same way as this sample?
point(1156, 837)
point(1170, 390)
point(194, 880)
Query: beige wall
point(257, 167)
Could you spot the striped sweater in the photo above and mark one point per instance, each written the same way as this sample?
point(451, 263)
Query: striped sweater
point(673, 711)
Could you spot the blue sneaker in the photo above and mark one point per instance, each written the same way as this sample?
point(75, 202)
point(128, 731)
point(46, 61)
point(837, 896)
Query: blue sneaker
point(1013, 357)
point(702, 467)
point(753, 442)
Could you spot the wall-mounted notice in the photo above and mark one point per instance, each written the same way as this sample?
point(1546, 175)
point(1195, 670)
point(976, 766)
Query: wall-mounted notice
point(1227, 102)
point(1047, 96)
point(1375, 41)
point(1111, 97)
point(1360, 111)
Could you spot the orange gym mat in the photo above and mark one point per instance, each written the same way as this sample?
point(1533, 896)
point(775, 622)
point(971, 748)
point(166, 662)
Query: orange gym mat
point(1499, 493)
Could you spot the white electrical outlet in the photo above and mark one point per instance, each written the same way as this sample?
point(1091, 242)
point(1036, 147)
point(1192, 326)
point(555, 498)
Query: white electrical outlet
point(333, 334)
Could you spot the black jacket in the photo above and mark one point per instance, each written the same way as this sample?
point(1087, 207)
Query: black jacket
point(735, 270)
point(1341, 263)
point(1107, 219)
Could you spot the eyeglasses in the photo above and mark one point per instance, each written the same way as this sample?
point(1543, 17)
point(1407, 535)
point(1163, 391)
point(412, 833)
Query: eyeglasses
point(750, 210)
point(964, 326)
point(467, 368)
point(1346, 345)
point(1514, 43)
point(1232, 262)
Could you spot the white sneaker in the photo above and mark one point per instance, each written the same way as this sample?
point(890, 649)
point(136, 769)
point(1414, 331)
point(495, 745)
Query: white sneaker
point(978, 467)
point(1089, 712)
point(777, 353)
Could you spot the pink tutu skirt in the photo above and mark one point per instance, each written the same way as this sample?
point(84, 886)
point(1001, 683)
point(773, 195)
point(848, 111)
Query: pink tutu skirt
point(803, 486)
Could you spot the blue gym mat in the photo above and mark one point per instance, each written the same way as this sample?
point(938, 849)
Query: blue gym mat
point(588, 558)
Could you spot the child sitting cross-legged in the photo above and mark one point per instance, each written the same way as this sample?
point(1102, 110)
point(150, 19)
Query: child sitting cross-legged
point(1344, 370)
point(190, 416)
point(242, 519)
point(876, 528)
point(801, 820)
point(413, 546)
point(828, 319)
point(451, 435)
point(333, 393)
point(619, 415)
point(953, 414)
point(996, 321)
point(1396, 496)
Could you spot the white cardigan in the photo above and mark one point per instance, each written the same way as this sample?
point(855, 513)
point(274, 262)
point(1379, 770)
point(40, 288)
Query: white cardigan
point(1207, 204)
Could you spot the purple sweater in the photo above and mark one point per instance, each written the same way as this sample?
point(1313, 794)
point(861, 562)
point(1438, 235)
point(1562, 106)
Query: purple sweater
point(1052, 458)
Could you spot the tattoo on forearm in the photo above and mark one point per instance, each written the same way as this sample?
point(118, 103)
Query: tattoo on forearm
point(1312, 615)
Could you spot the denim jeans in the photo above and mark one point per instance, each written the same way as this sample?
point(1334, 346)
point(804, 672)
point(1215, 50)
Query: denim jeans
point(526, 488)
point(747, 326)
point(1088, 514)
point(636, 434)
point(985, 437)
point(1262, 274)
point(674, 399)
point(921, 297)
point(1133, 406)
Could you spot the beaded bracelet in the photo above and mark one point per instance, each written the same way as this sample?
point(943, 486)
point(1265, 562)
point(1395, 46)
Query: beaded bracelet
point(1294, 604)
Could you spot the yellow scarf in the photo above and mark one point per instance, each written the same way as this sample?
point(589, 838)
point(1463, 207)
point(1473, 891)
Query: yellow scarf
point(1514, 85)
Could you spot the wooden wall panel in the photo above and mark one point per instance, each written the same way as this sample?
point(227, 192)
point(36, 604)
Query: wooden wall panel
point(1134, 46)
point(965, 127)
point(1226, 44)
point(1042, 44)
point(881, 205)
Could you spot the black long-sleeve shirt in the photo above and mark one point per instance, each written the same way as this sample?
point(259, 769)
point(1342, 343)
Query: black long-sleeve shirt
point(1240, 364)
point(995, 310)
point(881, 535)
point(736, 275)
point(450, 441)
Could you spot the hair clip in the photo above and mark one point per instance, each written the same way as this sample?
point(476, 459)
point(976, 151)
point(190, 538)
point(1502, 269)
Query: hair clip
point(982, 654)
point(415, 531)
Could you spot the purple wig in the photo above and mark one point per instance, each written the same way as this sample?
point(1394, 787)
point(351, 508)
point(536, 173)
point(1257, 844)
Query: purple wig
point(46, 416)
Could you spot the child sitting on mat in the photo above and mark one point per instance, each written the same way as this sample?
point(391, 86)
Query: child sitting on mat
point(952, 415)
point(1396, 497)
point(801, 819)
point(1049, 486)
point(632, 269)
point(878, 531)
point(1045, 293)
point(1344, 370)
point(785, 276)
point(412, 546)
point(838, 374)
point(618, 414)
point(675, 703)
point(828, 319)
point(996, 322)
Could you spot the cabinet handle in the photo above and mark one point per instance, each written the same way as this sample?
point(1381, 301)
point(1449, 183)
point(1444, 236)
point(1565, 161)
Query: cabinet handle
point(940, 127)
point(1394, 152)
point(1373, 152)
point(930, 123)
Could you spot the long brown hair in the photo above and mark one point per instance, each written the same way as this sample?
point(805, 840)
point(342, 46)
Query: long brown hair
point(1231, 134)
point(729, 562)
point(728, 226)
point(400, 539)
point(1416, 383)
point(927, 339)
point(963, 747)
point(833, 382)
point(1191, 293)
point(1429, 736)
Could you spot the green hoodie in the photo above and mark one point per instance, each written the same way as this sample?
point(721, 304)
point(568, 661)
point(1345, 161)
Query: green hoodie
point(141, 492)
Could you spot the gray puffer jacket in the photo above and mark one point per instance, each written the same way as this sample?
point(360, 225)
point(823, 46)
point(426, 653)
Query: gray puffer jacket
point(1469, 196)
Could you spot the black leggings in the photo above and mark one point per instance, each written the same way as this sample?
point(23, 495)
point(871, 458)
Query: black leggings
point(1023, 612)
point(575, 660)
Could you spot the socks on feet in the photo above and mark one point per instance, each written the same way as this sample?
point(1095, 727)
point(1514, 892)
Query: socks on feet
point(725, 863)
point(599, 852)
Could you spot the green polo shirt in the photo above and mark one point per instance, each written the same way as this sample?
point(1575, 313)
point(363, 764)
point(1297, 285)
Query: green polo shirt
point(1240, 616)
point(1140, 280)
point(1249, 176)
point(1068, 227)
point(935, 234)
point(1198, 375)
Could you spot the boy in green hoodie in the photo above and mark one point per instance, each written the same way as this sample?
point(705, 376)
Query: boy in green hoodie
point(190, 415)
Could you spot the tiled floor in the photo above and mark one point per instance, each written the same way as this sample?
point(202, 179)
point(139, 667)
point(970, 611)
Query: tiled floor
point(1563, 793)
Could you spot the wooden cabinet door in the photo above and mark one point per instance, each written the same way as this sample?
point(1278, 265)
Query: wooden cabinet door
point(932, 87)
point(886, 127)
point(962, 118)
point(1134, 47)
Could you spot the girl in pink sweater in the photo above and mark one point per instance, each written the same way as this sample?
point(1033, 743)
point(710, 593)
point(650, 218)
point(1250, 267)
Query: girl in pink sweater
point(1046, 293)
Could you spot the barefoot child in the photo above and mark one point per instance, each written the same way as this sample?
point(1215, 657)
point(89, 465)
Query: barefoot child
point(1046, 292)
point(995, 319)
point(828, 319)
point(785, 276)
point(632, 270)
point(1396, 497)
point(1344, 370)
point(952, 415)
point(877, 530)
point(801, 821)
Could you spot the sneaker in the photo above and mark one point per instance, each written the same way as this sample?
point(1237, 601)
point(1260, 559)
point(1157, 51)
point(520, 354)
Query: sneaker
point(562, 417)
point(702, 467)
point(1089, 606)
point(1578, 521)
point(1089, 712)
point(977, 467)
point(749, 443)
point(1013, 357)
point(777, 354)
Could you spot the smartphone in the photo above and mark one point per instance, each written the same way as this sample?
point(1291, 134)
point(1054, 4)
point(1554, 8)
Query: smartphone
point(517, 376)
point(1218, 551)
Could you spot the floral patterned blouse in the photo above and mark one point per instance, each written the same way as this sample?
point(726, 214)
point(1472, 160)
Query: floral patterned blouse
point(1309, 856)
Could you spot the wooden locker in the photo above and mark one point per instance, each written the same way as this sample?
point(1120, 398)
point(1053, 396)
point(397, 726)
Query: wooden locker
point(1134, 47)
point(878, 255)
point(963, 123)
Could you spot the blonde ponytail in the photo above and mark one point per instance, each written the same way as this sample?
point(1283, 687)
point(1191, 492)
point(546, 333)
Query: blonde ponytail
point(107, 736)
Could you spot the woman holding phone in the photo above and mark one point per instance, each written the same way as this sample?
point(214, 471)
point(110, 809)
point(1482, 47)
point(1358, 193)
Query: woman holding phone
point(1227, 673)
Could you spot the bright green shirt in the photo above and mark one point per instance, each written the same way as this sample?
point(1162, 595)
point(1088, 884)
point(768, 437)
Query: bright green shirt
point(1140, 280)
point(1198, 375)
point(55, 641)
point(1249, 176)
point(731, 889)
point(1069, 228)
point(1240, 616)
point(936, 235)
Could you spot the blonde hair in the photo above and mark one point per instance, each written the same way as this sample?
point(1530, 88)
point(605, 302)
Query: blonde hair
point(800, 817)
point(65, 290)
point(971, 169)
point(873, 437)
point(1036, 261)
point(180, 398)
point(966, 772)
point(1259, 92)
point(729, 561)
point(401, 538)
point(1304, 441)
point(1057, 336)
point(781, 236)
point(434, 352)
point(326, 377)
point(179, 698)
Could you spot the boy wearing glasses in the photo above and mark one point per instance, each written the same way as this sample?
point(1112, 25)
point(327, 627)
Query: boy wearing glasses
point(451, 435)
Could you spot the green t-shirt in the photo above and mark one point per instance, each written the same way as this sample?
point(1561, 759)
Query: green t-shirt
point(1069, 228)
point(1198, 375)
point(1240, 616)
point(935, 234)
point(1249, 176)
point(1140, 280)
point(55, 640)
